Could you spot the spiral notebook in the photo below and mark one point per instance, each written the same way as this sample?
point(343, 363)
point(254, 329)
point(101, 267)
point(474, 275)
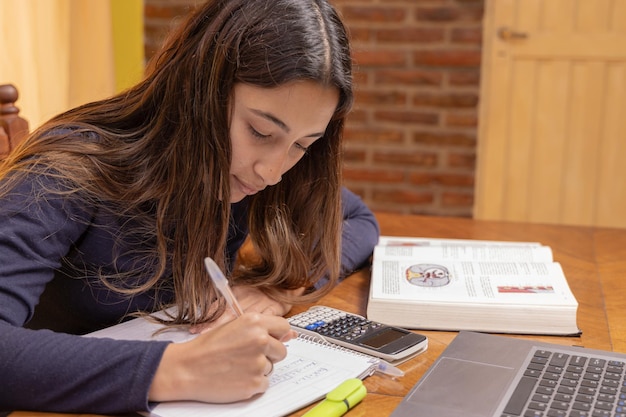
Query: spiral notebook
point(312, 368)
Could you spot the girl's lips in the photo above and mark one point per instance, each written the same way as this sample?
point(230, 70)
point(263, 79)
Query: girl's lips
point(246, 189)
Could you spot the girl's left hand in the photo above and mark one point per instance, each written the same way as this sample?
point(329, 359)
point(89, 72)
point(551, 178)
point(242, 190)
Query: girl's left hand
point(251, 299)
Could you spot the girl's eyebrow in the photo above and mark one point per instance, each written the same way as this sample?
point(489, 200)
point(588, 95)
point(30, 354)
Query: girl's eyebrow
point(272, 118)
point(282, 125)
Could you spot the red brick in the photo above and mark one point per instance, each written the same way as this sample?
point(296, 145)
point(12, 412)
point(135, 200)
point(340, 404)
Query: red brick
point(461, 160)
point(448, 100)
point(373, 175)
point(445, 179)
point(360, 34)
point(449, 14)
point(467, 35)
point(373, 135)
point(445, 139)
point(410, 35)
point(379, 98)
point(409, 77)
point(359, 78)
point(457, 199)
point(374, 14)
point(379, 58)
point(402, 196)
point(356, 117)
point(421, 178)
point(447, 58)
point(407, 117)
point(437, 14)
point(464, 77)
point(461, 120)
point(413, 158)
point(353, 155)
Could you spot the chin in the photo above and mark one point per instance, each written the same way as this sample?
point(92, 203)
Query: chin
point(237, 197)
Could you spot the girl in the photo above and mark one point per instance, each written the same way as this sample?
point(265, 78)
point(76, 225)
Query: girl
point(109, 209)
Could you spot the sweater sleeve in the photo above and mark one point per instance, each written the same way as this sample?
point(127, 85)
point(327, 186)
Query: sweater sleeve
point(359, 235)
point(41, 369)
point(360, 232)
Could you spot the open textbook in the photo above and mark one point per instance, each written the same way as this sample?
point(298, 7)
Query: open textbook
point(312, 368)
point(491, 286)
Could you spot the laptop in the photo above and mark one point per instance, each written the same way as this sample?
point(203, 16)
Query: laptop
point(483, 375)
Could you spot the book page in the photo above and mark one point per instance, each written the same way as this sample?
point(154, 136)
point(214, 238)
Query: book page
point(522, 253)
point(427, 241)
point(408, 277)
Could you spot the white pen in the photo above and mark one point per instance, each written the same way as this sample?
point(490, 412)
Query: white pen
point(221, 283)
point(386, 368)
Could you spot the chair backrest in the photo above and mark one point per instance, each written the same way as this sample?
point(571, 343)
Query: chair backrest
point(13, 128)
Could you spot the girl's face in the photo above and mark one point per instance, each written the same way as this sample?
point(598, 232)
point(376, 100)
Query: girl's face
point(271, 129)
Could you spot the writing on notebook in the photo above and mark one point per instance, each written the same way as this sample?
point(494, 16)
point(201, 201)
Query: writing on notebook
point(297, 370)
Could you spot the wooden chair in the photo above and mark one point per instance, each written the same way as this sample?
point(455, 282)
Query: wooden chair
point(13, 128)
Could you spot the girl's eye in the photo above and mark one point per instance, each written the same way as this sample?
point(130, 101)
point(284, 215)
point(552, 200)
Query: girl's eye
point(257, 134)
point(303, 149)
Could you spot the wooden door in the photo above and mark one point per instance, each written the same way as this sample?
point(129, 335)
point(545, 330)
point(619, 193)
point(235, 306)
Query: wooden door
point(552, 136)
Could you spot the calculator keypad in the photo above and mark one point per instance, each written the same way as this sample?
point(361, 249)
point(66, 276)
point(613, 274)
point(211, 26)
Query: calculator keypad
point(335, 324)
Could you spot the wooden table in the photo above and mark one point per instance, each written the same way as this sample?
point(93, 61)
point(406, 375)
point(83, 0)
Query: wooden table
point(593, 259)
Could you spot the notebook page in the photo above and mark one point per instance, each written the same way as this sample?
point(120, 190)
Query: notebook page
point(311, 369)
point(307, 374)
point(143, 329)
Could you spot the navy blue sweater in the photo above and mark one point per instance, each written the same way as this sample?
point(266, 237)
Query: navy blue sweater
point(50, 251)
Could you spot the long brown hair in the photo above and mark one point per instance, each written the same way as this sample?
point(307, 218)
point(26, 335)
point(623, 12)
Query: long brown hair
point(163, 147)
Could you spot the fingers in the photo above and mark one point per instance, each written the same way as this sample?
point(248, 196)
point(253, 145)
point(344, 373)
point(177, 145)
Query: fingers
point(271, 310)
point(278, 327)
point(277, 331)
point(292, 334)
point(269, 371)
point(231, 362)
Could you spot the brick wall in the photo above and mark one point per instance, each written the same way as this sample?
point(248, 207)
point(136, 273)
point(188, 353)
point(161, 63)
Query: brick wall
point(411, 140)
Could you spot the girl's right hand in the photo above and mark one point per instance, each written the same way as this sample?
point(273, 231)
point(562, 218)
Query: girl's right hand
point(228, 363)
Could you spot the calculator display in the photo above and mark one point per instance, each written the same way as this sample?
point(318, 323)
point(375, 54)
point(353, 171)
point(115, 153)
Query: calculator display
point(383, 338)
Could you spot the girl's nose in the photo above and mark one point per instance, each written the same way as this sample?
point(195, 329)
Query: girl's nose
point(271, 168)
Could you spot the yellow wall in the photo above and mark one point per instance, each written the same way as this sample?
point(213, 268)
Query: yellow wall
point(63, 53)
point(128, 50)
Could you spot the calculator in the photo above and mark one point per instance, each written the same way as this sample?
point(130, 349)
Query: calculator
point(352, 331)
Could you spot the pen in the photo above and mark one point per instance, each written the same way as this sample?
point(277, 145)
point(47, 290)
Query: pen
point(221, 283)
point(386, 368)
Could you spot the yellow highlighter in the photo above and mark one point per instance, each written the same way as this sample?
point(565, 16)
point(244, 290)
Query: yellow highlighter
point(339, 400)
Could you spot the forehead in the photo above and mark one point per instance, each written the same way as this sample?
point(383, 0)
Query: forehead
point(298, 104)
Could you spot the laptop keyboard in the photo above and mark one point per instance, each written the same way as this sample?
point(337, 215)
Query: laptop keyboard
point(565, 385)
